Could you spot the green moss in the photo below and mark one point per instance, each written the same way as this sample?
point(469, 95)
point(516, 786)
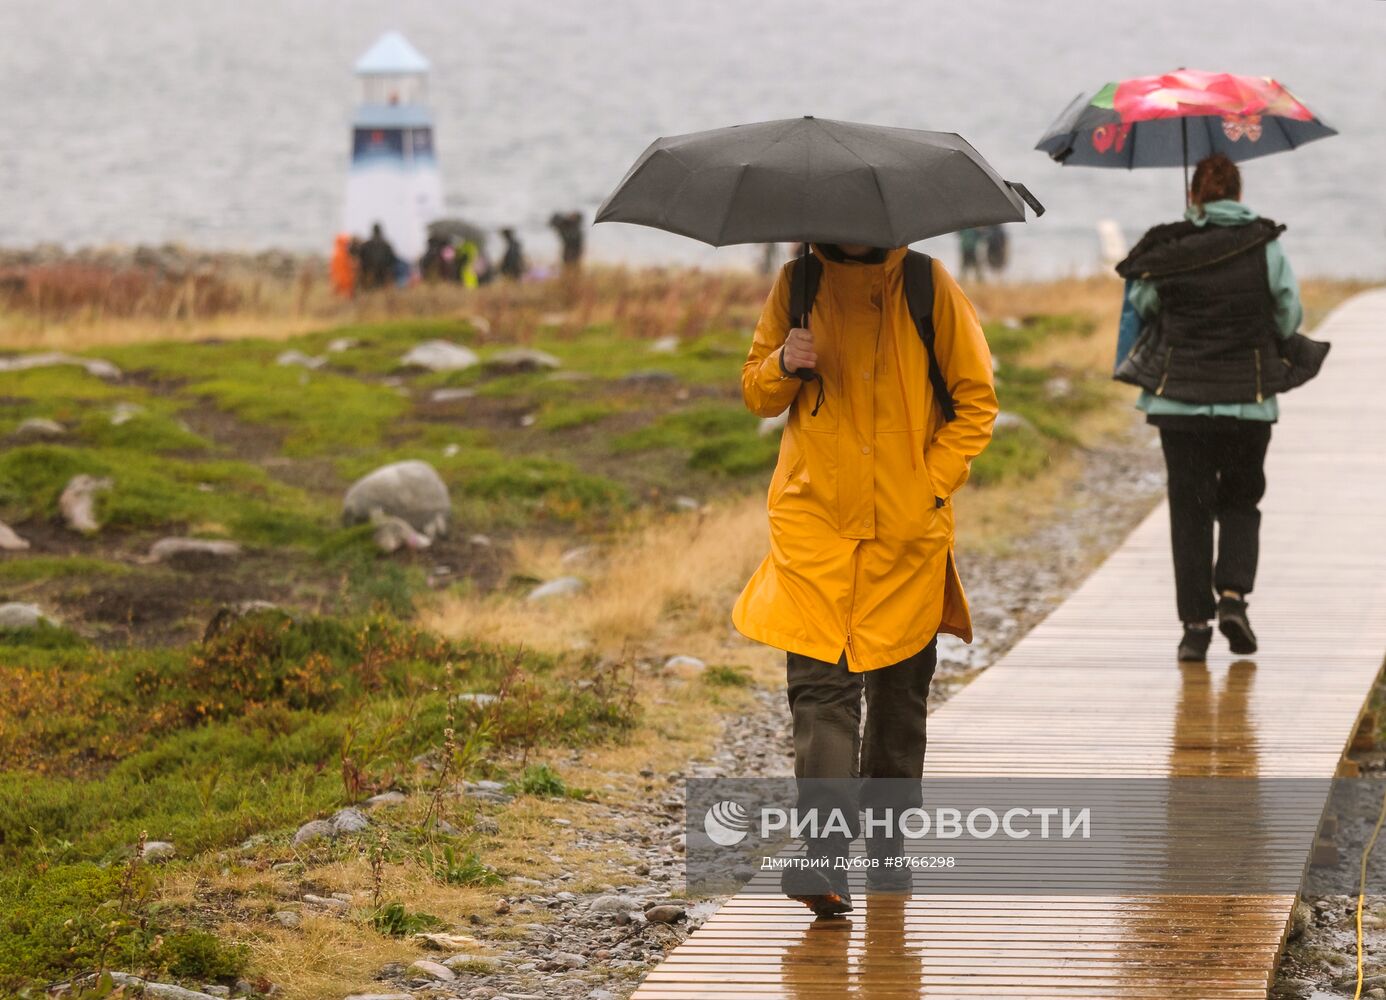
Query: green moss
point(719, 438)
point(560, 415)
point(1020, 452)
point(319, 412)
point(28, 568)
point(150, 491)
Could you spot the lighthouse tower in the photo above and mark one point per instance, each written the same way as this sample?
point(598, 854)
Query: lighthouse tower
point(394, 175)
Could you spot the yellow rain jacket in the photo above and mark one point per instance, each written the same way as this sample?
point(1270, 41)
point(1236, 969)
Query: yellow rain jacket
point(861, 556)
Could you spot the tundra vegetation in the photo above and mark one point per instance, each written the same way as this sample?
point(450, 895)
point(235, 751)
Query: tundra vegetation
point(172, 724)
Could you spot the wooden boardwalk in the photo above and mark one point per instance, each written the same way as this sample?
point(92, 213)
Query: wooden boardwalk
point(1095, 691)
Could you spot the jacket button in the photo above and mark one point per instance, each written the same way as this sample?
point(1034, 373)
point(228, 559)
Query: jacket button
point(865, 374)
point(865, 450)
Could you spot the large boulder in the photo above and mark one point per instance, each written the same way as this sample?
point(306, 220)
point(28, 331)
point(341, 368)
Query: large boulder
point(439, 356)
point(411, 491)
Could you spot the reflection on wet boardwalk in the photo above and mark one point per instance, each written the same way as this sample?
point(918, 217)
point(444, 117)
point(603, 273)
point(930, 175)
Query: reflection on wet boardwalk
point(1094, 691)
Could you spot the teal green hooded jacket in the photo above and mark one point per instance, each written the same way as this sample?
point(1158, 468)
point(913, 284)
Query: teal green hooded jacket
point(1289, 313)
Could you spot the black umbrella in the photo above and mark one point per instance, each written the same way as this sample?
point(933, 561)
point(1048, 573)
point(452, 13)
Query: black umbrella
point(457, 229)
point(814, 180)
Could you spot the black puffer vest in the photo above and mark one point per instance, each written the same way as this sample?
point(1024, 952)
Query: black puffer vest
point(1214, 339)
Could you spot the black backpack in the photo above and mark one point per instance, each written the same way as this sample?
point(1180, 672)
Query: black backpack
point(806, 272)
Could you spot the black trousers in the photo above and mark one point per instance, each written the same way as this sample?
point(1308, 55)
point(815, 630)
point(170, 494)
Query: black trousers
point(1216, 471)
point(825, 705)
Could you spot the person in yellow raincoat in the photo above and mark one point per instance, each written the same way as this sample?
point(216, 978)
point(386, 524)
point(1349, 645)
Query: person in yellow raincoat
point(860, 578)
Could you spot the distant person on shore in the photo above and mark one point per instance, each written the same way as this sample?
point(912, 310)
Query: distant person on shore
point(342, 267)
point(568, 226)
point(436, 264)
point(970, 242)
point(379, 264)
point(998, 249)
point(512, 265)
point(1216, 294)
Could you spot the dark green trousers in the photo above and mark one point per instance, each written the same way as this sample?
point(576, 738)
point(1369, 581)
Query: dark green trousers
point(825, 703)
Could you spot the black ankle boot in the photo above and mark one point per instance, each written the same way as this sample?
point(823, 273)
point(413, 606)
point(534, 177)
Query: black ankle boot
point(1233, 623)
point(1193, 648)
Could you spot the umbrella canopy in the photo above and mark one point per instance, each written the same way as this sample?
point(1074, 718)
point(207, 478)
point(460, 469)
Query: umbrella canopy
point(817, 180)
point(457, 229)
point(1180, 118)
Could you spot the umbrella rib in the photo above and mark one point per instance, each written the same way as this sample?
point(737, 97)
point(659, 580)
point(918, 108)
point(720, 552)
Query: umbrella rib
point(731, 203)
point(874, 178)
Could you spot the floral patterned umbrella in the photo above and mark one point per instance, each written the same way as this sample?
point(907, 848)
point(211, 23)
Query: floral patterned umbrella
point(1179, 118)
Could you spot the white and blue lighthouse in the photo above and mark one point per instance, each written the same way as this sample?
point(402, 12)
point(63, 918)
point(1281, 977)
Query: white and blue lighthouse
point(394, 176)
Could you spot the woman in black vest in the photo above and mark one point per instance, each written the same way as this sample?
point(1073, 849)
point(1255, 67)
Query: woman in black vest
point(1217, 296)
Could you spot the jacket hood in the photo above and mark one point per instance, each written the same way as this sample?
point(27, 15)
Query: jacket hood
point(830, 253)
point(1224, 212)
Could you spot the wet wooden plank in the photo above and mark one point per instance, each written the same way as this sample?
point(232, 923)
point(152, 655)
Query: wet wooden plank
point(1094, 691)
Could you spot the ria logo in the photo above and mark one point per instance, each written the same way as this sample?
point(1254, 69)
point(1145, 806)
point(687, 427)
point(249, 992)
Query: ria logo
point(726, 824)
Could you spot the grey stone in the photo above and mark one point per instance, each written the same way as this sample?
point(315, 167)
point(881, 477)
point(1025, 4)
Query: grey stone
point(380, 996)
point(1007, 421)
point(601, 995)
point(39, 428)
point(15, 616)
point(394, 533)
point(769, 425)
point(287, 918)
point(92, 366)
point(665, 345)
point(684, 663)
point(563, 586)
point(665, 913)
point(78, 502)
point(192, 551)
point(158, 850)
point(213, 989)
point(689, 504)
point(411, 490)
point(433, 970)
point(339, 344)
point(486, 825)
point(391, 798)
point(295, 357)
point(123, 413)
point(614, 903)
point(317, 829)
point(9, 540)
point(520, 359)
point(439, 356)
point(450, 395)
point(571, 960)
point(480, 698)
point(348, 820)
point(327, 902)
point(156, 991)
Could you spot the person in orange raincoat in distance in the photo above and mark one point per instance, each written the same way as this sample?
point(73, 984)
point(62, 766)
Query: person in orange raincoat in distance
point(342, 267)
point(860, 578)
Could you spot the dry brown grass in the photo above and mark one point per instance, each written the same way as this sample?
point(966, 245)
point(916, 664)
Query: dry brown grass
point(667, 583)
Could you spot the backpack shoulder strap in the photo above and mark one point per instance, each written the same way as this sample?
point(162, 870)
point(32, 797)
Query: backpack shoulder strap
point(804, 275)
point(919, 296)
